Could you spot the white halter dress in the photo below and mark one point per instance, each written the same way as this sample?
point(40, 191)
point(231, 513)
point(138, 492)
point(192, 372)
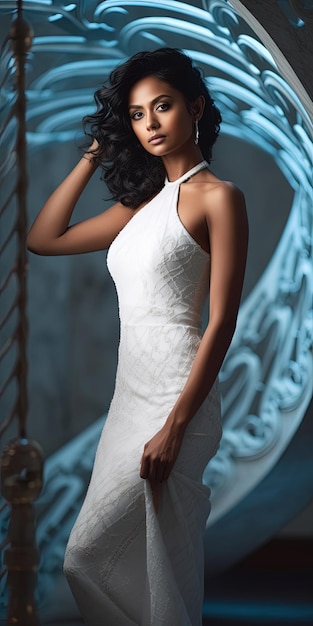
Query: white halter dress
point(127, 565)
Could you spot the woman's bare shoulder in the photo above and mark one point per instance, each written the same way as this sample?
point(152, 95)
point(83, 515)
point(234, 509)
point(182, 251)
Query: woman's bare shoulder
point(224, 203)
point(212, 193)
point(219, 193)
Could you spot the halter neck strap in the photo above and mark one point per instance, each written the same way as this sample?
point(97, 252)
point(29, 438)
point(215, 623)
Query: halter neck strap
point(194, 170)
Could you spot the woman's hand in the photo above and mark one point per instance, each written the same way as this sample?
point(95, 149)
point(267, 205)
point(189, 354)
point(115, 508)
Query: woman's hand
point(159, 456)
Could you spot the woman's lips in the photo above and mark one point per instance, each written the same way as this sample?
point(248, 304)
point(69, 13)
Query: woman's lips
point(156, 139)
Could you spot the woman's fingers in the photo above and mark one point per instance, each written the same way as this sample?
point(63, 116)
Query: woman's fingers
point(163, 471)
point(155, 470)
point(158, 458)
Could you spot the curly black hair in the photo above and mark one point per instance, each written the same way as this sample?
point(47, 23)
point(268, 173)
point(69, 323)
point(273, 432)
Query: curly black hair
point(130, 172)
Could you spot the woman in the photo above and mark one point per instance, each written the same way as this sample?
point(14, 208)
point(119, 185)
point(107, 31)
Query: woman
point(175, 234)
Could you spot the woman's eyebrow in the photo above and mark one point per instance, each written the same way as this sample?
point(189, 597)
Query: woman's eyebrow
point(139, 106)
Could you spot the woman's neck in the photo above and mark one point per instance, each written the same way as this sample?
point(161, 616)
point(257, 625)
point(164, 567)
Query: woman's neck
point(176, 166)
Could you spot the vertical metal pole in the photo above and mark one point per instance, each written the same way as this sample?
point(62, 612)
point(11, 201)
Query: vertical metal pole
point(21, 40)
point(21, 473)
point(21, 462)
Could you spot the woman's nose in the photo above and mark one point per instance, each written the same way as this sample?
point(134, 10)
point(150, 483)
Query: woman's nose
point(151, 121)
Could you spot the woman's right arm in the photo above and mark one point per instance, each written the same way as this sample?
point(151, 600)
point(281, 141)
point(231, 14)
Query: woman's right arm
point(50, 233)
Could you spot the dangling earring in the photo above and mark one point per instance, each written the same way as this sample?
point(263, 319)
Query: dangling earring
point(196, 132)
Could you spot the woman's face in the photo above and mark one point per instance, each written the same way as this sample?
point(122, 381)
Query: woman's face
point(160, 118)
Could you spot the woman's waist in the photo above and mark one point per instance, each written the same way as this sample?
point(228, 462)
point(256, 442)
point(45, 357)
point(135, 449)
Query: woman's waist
point(154, 350)
point(161, 333)
point(151, 316)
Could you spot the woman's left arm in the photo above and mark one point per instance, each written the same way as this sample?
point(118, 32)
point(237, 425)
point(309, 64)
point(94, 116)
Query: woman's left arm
point(228, 227)
point(227, 224)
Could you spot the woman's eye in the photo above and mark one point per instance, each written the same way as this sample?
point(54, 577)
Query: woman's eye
point(164, 106)
point(137, 115)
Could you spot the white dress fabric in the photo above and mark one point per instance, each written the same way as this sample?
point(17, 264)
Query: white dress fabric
point(126, 564)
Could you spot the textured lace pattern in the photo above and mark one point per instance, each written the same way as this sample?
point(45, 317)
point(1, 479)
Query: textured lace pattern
point(126, 564)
